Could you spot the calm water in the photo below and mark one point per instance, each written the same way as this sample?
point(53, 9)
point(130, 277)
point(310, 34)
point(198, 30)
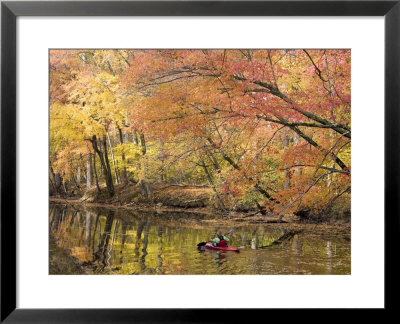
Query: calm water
point(105, 241)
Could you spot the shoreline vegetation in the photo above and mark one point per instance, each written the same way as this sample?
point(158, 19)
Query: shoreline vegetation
point(188, 199)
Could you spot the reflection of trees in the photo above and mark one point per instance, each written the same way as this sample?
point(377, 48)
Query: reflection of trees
point(138, 239)
point(145, 243)
point(169, 250)
point(58, 217)
point(95, 229)
point(159, 254)
point(78, 217)
point(329, 256)
point(83, 228)
point(124, 227)
point(144, 227)
point(55, 219)
point(88, 229)
point(115, 234)
point(297, 245)
point(102, 248)
point(71, 222)
point(244, 239)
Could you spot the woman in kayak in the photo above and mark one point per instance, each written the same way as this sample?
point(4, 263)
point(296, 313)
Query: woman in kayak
point(220, 240)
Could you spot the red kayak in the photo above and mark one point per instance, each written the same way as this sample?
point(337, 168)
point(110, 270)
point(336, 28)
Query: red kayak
point(220, 248)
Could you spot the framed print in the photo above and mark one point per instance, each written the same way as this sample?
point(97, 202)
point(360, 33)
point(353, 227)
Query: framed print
point(162, 158)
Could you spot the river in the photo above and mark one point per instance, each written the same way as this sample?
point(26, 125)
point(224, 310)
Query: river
point(107, 241)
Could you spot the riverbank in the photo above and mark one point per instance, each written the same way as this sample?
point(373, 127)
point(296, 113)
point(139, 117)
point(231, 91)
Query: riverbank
point(203, 217)
point(188, 199)
point(218, 215)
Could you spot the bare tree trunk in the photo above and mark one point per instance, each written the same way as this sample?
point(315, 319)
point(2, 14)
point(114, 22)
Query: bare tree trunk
point(107, 169)
point(52, 188)
point(65, 187)
point(332, 117)
point(135, 138)
point(112, 159)
point(144, 185)
point(214, 162)
point(95, 173)
point(104, 162)
point(124, 173)
point(56, 181)
point(88, 170)
point(77, 186)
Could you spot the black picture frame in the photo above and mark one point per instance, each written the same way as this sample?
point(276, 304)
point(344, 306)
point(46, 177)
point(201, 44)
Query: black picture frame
point(9, 13)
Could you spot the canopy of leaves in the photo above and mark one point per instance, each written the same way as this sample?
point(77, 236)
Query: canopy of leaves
point(271, 127)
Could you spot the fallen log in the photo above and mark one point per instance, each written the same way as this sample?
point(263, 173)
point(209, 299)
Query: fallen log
point(287, 236)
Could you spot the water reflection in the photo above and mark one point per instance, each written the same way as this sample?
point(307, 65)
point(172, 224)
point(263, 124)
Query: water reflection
point(105, 241)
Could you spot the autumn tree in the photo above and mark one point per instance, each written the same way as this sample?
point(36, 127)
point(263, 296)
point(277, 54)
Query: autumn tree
point(264, 128)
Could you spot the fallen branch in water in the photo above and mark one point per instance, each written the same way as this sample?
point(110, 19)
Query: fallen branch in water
point(285, 237)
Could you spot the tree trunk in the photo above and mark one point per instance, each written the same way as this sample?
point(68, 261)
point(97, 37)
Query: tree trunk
point(107, 169)
point(75, 182)
point(56, 181)
point(89, 170)
point(332, 116)
point(215, 163)
point(104, 163)
point(288, 235)
point(160, 151)
point(220, 203)
point(144, 185)
point(65, 187)
point(112, 159)
point(52, 188)
point(124, 173)
point(235, 166)
point(135, 138)
point(95, 173)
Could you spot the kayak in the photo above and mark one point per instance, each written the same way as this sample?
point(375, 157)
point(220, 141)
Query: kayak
point(221, 248)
